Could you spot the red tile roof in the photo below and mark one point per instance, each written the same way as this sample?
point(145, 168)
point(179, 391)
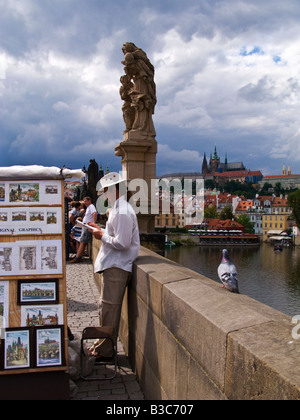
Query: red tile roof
point(236, 174)
point(232, 174)
point(227, 224)
point(244, 205)
point(281, 176)
point(279, 202)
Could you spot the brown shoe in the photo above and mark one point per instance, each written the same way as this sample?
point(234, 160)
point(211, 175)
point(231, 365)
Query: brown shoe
point(76, 260)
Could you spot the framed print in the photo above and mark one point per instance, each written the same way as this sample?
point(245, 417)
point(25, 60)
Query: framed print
point(4, 303)
point(16, 349)
point(27, 258)
point(37, 291)
point(49, 346)
point(51, 189)
point(2, 192)
point(19, 216)
point(48, 315)
point(49, 257)
point(3, 216)
point(7, 262)
point(24, 193)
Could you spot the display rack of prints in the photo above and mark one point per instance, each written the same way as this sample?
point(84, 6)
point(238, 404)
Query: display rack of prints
point(33, 318)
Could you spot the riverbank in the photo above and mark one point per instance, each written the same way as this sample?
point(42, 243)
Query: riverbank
point(185, 239)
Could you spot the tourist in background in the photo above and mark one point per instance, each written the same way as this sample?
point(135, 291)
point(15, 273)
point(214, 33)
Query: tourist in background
point(86, 236)
point(75, 236)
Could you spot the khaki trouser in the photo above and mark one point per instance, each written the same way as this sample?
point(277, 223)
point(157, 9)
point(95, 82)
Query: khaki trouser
point(113, 285)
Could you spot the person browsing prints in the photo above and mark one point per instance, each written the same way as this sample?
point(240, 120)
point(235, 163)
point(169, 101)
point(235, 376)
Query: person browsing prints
point(86, 236)
point(119, 249)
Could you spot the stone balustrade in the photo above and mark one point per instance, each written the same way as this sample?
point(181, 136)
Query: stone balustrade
point(187, 338)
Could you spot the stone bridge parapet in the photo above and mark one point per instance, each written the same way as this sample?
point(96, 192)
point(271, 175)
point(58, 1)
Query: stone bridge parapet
point(188, 339)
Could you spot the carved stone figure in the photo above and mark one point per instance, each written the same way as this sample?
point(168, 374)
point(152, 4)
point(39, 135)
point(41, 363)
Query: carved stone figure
point(128, 110)
point(93, 171)
point(139, 95)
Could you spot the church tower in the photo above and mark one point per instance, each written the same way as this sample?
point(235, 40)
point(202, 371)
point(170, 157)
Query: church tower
point(214, 162)
point(284, 171)
point(204, 165)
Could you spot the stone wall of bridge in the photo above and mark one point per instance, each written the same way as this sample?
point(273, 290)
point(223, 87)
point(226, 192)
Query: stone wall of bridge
point(189, 339)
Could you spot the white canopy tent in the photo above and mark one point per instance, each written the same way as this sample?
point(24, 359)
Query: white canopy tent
point(39, 172)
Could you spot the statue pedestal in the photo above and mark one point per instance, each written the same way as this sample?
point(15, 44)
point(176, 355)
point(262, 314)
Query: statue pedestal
point(138, 154)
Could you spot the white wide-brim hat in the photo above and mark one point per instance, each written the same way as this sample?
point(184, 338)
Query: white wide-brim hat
point(110, 179)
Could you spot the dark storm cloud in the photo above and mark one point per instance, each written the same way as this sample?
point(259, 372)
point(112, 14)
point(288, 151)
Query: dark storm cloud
point(226, 73)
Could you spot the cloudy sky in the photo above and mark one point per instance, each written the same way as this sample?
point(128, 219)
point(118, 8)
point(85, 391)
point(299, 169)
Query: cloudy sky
point(227, 72)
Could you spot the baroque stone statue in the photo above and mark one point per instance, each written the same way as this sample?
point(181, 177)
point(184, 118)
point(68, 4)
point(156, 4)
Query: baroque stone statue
point(138, 91)
point(93, 171)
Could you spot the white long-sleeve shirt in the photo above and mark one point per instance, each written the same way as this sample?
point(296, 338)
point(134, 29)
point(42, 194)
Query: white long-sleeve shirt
point(121, 240)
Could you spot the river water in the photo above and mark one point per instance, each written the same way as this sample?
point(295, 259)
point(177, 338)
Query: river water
point(268, 276)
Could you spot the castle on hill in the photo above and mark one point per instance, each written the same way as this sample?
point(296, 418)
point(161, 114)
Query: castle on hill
point(213, 169)
point(215, 165)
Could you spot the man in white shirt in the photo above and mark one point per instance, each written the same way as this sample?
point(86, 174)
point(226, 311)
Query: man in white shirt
point(86, 236)
point(120, 247)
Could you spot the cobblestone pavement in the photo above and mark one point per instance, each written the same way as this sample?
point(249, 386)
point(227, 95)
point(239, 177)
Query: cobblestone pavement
point(82, 308)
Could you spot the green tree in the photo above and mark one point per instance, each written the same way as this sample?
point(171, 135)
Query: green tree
point(210, 184)
point(226, 213)
point(244, 220)
point(265, 189)
point(239, 188)
point(278, 189)
point(211, 212)
point(294, 203)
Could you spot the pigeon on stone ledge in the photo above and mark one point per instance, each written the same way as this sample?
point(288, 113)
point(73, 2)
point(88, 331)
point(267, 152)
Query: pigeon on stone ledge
point(228, 274)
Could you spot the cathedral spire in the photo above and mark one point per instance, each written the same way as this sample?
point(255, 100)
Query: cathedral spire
point(204, 165)
point(215, 153)
point(214, 162)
